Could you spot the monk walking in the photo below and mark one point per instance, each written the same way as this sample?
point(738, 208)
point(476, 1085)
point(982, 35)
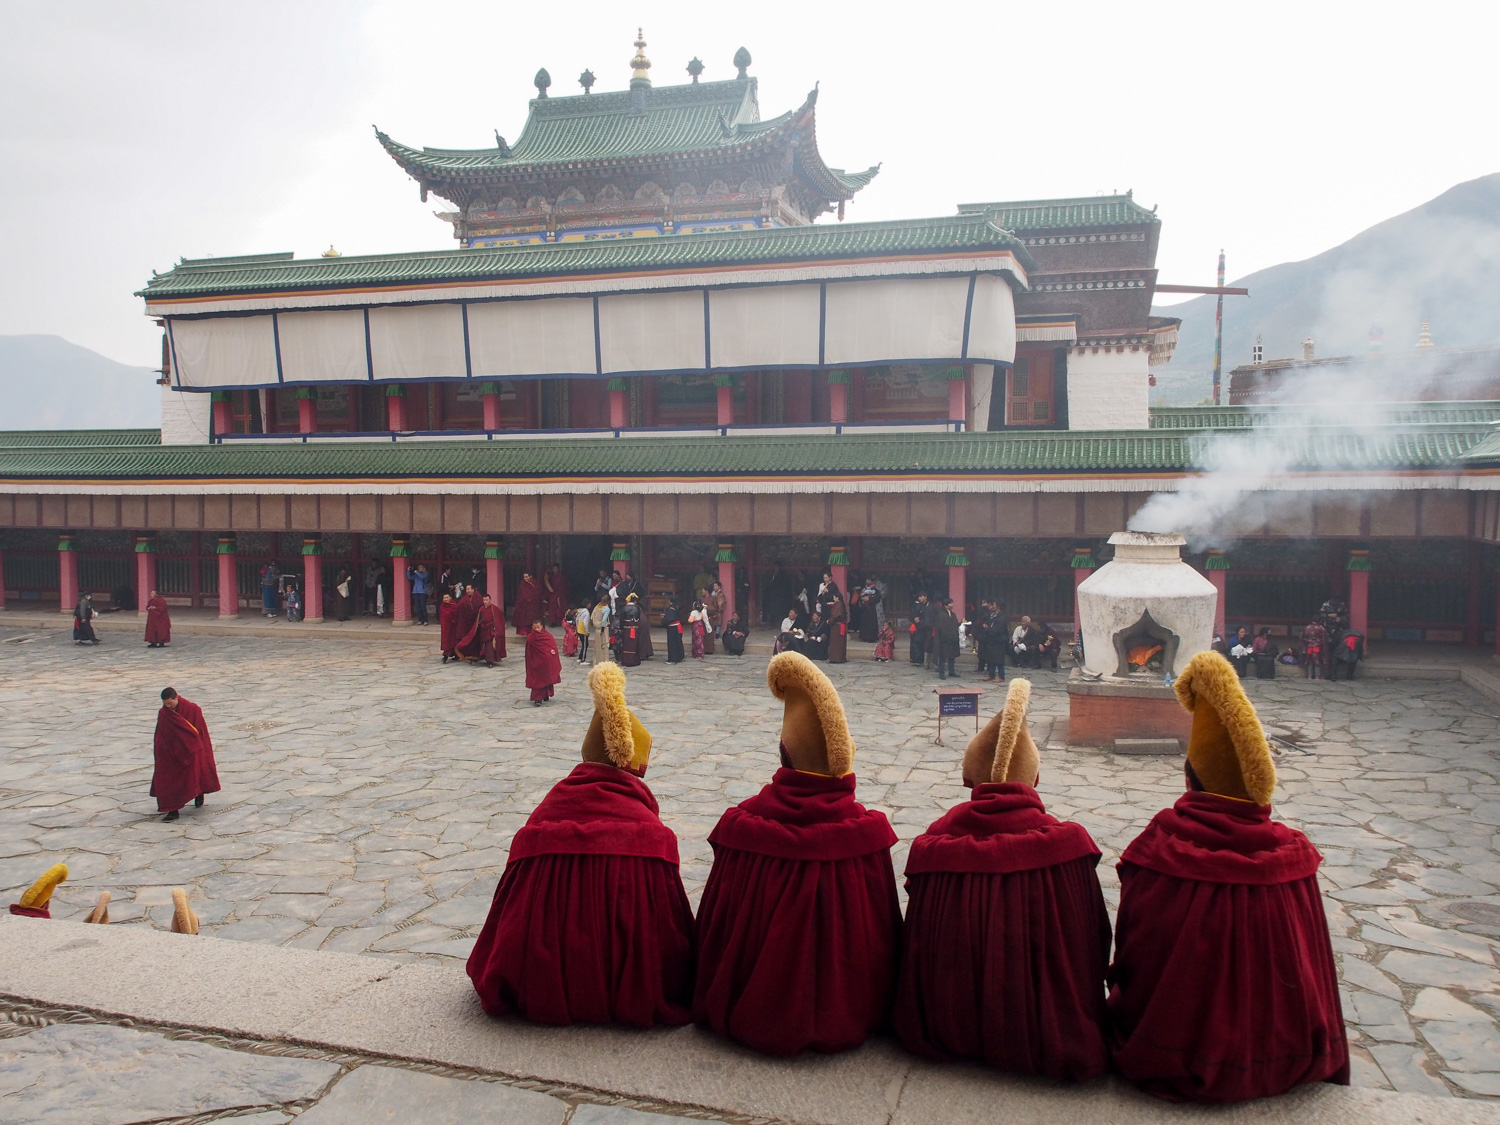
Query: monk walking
point(1223, 986)
point(487, 636)
point(528, 606)
point(543, 668)
point(185, 767)
point(158, 621)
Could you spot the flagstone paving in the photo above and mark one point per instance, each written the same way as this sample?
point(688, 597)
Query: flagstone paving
point(370, 794)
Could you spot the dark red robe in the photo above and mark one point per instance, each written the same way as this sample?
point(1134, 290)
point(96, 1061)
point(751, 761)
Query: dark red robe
point(185, 766)
point(465, 618)
point(487, 637)
point(1223, 986)
point(557, 597)
point(30, 911)
point(448, 634)
point(528, 607)
point(158, 621)
point(799, 925)
point(543, 668)
point(590, 923)
point(1006, 941)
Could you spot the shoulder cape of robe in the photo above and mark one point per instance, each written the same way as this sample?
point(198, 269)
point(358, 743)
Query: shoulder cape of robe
point(799, 925)
point(590, 923)
point(465, 619)
point(158, 621)
point(185, 766)
point(543, 668)
point(448, 635)
point(1223, 986)
point(528, 607)
point(487, 637)
point(1007, 940)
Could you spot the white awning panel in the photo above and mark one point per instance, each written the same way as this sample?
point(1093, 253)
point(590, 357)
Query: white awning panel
point(652, 332)
point(417, 342)
point(508, 338)
point(323, 347)
point(766, 326)
point(228, 351)
point(895, 321)
point(992, 320)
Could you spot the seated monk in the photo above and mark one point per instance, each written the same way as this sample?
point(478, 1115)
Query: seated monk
point(799, 925)
point(1007, 937)
point(1223, 986)
point(590, 923)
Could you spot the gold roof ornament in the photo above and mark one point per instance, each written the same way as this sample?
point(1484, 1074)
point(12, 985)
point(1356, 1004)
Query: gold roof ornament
point(331, 252)
point(641, 65)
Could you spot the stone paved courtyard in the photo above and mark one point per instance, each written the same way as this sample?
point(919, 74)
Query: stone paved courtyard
point(370, 794)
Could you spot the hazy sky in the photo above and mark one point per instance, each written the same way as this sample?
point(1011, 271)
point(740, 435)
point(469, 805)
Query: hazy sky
point(132, 134)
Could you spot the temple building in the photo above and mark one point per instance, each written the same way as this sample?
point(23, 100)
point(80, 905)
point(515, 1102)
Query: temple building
point(645, 352)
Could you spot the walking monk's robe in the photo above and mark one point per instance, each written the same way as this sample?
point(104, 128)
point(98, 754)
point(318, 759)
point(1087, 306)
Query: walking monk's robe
point(448, 634)
point(543, 668)
point(590, 923)
point(487, 637)
point(185, 766)
point(465, 617)
point(557, 595)
point(528, 607)
point(1223, 986)
point(799, 925)
point(1007, 938)
point(158, 621)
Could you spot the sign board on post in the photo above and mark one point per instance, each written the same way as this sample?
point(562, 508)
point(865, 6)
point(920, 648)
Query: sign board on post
point(956, 701)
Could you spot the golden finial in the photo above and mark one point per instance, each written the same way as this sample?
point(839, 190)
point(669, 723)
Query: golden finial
point(640, 63)
point(331, 252)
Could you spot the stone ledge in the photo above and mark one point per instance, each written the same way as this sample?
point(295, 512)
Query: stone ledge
point(427, 1013)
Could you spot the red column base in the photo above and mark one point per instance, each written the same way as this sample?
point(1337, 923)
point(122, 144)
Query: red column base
point(229, 588)
point(312, 589)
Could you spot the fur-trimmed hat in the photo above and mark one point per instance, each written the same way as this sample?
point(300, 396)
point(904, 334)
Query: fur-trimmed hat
point(814, 732)
point(1227, 749)
point(615, 737)
point(184, 921)
point(1004, 750)
point(34, 902)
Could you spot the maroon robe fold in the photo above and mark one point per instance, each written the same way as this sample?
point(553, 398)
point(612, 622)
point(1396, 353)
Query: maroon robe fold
point(1223, 986)
point(1006, 941)
point(543, 668)
point(465, 618)
point(487, 637)
point(799, 925)
point(158, 621)
point(448, 634)
point(557, 596)
point(185, 766)
point(590, 923)
point(528, 607)
point(30, 911)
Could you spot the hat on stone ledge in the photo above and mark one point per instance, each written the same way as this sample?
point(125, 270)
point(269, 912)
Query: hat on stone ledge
point(615, 736)
point(1004, 749)
point(34, 903)
point(814, 733)
point(1227, 750)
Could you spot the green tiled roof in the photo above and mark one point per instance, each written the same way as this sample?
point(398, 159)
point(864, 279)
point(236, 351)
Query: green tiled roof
point(1485, 452)
point(65, 439)
point(1064, 214)
point(875, 456)
point(1299, 414)
point(947, 234)
point(705, 117)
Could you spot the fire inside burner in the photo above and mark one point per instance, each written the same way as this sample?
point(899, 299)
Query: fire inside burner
point(1145, 658)
point(1145, 648)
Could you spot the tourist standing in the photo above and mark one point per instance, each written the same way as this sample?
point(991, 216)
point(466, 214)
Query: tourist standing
point(421, 585)
point(543, 668)
point(671, 620)
point(372, 584)
point(921, 627)
point(946, 631)
point(158, 621)
point(343, 589)
point(698, 623)
point(599, 621)
point(184, 752)
point(1314, 649)
point(715, 603)
point(631, 629)
point(447, 628)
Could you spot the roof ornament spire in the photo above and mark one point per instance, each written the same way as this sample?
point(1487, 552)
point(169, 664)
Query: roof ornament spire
point(331, 252)
point(1424, 339)
point(541, 82)
point(501, 145)
point(742, 60)
point(640, 65)
point(586, 80)
point(695, 68)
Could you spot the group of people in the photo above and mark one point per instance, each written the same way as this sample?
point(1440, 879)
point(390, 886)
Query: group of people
point(471, 628)
point(1327, 647)
point(818, 626)
point(1222, 985)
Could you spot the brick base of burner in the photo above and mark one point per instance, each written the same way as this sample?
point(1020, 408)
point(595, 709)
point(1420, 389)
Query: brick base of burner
point(1100, 711)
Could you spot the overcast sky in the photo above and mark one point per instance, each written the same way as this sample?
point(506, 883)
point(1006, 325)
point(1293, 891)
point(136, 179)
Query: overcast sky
point(132, 134)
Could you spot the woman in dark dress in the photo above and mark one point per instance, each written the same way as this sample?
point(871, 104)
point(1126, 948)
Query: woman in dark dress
point(83, 621)
point(671, 620)
point(735, 632)
point(815, 644)
point(838, 629)
point(869, 620)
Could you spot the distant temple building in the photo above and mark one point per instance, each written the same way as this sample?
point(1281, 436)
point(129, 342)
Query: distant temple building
point(1421, 374)
point(645, 353)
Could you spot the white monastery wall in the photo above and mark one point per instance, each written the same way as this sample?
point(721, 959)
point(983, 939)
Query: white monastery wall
point(185, 417)
point(1108, 389)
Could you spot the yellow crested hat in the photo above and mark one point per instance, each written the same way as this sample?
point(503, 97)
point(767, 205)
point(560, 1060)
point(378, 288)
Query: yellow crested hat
point(615, 736)
point(39, 894)
point(1004, 750)
point(1227, 748)
point(814, 730)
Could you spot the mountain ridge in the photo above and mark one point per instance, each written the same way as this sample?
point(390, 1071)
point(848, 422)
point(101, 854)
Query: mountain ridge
point(50, 383)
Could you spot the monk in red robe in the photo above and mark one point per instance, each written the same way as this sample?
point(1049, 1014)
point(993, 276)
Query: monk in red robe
point(590, 923)
point(543, 668)
point(465, 616)
point(185, 767)
point(528, 606)
point(799, 925)
point(448, 635)
point(1223, 986)
point(487, 637)
point(1007, 937)
point(158, 621)
point(557, 594)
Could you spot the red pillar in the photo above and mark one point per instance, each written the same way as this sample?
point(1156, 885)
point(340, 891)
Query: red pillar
point(145, 571)
point(67, 574)
point(619, 408)
point(400, 587)
point(395, 408)
point(312, 579)
point(838, 567)
point(494, 572)
point(223, 413)
point(1217, 572)
point(1359, 593)
point(229, 579)
point(491, 407)
point(958, 564)
point(1083, 566)
point(726, 403)
point(838, 397)
point(619, 558)
point(958, 399)
point(727, 557)
point(307, 410)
